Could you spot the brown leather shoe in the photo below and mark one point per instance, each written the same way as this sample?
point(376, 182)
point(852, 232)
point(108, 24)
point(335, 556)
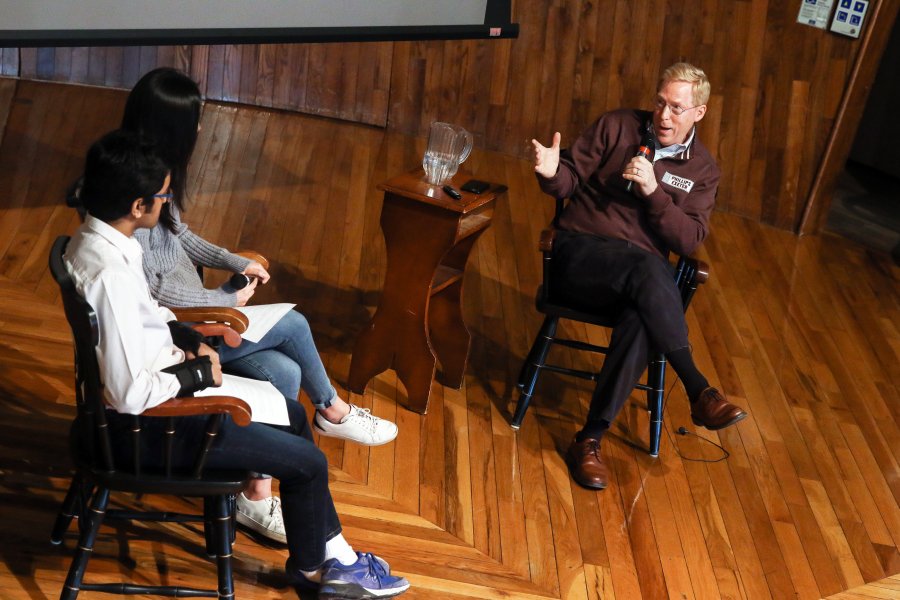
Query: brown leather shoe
point(586, 466)
point(713, 411)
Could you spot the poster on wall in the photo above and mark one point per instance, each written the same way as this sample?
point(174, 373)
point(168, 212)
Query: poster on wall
point(848, 17)
point(815, 13)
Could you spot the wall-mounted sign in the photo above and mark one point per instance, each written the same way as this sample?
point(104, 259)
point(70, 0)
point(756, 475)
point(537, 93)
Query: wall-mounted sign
point(815, 12)
point(848, 18)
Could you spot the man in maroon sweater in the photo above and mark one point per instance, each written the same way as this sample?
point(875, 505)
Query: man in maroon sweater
point(611, 250)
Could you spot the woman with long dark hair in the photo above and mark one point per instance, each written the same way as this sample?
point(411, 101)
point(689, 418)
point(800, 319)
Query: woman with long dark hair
point(164, 107)
point(124, 187)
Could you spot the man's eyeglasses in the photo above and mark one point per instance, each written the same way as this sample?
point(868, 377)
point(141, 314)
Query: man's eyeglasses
point(676, 110)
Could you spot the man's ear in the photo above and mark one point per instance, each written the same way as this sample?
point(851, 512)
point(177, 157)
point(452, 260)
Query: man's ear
point(700, 112)
point(138, 208)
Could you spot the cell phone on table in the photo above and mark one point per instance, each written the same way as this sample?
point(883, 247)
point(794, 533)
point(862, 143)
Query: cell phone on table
point(475, 186)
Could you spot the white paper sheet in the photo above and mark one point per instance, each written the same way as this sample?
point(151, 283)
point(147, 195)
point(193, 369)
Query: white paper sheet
point(815, 12)
point(262, 318)
point(266, 402)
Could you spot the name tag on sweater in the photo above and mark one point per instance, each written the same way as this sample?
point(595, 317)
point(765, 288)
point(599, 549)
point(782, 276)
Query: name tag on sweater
point(678, 182)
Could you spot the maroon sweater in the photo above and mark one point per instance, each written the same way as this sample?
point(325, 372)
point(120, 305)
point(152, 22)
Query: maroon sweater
point(674, 218)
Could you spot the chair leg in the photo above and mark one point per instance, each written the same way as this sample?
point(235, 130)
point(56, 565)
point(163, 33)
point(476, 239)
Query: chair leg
point(209, 525)
point(209, 522)
point(531, 370)
point(86, 540)
point(67, 511)
point(222, 536)
point(232, 512)
point(82, 505)
point(656, 380)
point(526, 372)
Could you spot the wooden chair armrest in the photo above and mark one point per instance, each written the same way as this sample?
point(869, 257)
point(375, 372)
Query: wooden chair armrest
point(250, 254)
point(690, 273)
point(547, 238)
point(231, 317)
point(702, 272)
point(699, 268)
point(229, 336)
point(206, 405)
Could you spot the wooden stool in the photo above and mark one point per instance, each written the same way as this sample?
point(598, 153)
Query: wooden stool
point(419, 321)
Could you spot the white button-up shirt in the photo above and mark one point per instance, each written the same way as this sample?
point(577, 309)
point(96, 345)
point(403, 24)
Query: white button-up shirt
point(667, 151)
point(135, 343)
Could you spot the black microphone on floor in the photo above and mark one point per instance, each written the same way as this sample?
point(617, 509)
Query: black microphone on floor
point(646, 149)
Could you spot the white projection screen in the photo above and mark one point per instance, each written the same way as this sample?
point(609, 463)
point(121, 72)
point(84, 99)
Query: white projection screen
point(26, 23)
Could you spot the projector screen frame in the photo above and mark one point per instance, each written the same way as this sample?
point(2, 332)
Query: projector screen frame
point(497, 25)
point(200, 37)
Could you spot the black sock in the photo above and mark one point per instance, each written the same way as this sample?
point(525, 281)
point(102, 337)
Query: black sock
point(592, 430)
point(693, 380)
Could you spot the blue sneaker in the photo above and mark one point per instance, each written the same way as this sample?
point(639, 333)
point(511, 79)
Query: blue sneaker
point(368, 577)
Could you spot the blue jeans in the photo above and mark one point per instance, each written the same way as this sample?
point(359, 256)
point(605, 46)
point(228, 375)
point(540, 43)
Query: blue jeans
point(288, 453)
point(286, 357)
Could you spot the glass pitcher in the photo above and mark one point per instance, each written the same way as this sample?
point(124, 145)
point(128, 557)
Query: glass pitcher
point(448, 146)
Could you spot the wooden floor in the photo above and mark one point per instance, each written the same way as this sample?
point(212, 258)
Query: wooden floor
point(802, 332)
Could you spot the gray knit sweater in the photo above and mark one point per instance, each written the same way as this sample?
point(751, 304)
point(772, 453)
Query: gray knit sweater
point(169, 266)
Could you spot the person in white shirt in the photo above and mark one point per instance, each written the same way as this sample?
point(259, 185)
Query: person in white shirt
point(165, 106)
point(125, 186)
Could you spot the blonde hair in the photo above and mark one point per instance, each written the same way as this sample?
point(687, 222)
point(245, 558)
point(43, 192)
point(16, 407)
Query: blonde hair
point(683, 71)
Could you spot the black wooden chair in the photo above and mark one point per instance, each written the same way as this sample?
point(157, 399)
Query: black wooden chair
point(98, 473)
point(689, 273)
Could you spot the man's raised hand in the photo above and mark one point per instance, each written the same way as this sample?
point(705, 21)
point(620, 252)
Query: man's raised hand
point(546, 160)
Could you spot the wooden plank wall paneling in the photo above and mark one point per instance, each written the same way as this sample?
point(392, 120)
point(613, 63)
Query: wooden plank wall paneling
point(777, 85)
point(343, 81)
point(9, 62)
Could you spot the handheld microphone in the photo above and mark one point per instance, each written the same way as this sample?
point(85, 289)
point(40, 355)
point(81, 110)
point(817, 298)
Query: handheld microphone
point(648, 143)
point(239, 281)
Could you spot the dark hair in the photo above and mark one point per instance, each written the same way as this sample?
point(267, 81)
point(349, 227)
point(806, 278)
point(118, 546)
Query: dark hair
point(120, 168)
point(164, 108)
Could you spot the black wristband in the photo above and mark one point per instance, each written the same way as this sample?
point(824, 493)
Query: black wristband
point(193, 375)
point(185, 337)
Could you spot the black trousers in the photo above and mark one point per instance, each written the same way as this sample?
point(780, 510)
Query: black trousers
point(287, 453)
point(632, 287)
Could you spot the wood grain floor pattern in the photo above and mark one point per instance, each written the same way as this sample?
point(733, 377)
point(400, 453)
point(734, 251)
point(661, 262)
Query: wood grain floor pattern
point(803, 332)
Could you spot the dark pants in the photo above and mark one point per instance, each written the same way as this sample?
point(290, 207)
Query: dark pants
point(286, 453)
point(633, 288)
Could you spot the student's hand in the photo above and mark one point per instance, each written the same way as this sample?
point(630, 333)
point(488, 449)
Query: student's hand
point(206, 350)
point(244, 295)
point(254, 269)
point(546, 160)
point(640, 171)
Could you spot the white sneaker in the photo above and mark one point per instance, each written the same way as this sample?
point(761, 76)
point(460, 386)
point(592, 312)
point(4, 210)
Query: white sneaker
point(359, 426)
point(262, 517)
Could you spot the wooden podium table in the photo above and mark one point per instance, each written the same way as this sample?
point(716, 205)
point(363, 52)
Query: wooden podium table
point(418, 323)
